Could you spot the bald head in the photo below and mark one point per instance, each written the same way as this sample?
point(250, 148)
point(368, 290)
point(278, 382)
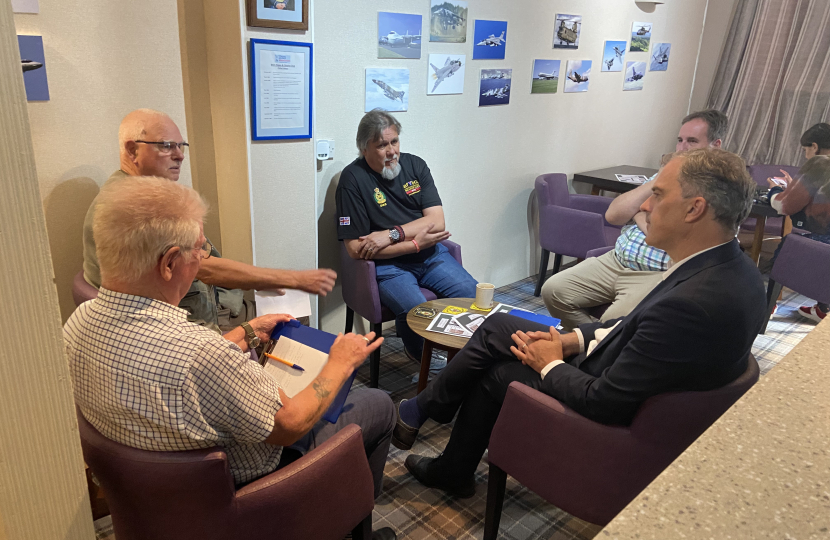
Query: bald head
point(144, 158)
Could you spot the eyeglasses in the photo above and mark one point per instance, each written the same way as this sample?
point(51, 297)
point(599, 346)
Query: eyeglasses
point(205, 249)
point(166, 147)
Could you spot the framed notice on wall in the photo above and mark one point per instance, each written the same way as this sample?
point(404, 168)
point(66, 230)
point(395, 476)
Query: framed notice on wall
point(280, 90)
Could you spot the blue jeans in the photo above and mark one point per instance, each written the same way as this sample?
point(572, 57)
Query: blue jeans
point(399, 288)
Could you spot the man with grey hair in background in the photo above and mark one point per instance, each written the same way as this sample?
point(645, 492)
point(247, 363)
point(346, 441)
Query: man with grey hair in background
point(625, 275)
point(389, 211)
point(151, 145)
point(144, 376)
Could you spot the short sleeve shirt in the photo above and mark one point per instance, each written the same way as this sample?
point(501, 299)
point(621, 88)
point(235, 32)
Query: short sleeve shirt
point(367, 202)
point(146, 377)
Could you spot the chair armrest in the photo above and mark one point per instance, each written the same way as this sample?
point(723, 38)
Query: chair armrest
point(591, 203)
point(570, 461)
point(454, 249)
point(570, 232)
point(359, 286)
point(599, 251)
point(324, 494)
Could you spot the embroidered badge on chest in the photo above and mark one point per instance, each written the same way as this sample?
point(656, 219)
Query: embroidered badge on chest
point(412, 187)
point(380, 198)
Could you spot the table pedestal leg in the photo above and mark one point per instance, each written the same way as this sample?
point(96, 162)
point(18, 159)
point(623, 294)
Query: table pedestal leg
point(595, 190)
point(426, 357)
point(758, 241)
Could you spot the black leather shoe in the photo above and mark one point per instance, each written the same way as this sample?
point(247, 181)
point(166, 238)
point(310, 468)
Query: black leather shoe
point(403, 436)
point(424, 471)
point(385, 533)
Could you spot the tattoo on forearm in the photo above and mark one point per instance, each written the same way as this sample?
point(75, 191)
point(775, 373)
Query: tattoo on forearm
point(320, 386)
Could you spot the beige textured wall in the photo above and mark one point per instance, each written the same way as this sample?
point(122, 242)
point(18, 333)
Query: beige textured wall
point(103, 59)
point(43, 490)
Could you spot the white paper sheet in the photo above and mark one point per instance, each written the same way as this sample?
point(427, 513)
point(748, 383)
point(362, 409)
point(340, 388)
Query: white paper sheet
point(295, 303)
point(281, 89)
point(291, 380)
point(25, 6)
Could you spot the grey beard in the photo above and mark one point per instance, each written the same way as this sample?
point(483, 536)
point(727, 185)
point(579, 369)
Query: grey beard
point(391, 174)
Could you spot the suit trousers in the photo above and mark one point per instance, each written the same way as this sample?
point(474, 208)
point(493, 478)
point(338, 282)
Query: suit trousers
point(474, 385)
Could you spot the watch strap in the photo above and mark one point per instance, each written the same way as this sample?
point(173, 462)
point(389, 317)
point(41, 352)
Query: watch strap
point(250, 335)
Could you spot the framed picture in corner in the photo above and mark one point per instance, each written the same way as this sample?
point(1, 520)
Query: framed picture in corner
point(288, 14)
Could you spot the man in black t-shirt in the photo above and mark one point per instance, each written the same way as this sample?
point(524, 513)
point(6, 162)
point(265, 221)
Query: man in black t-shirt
point(389, 211)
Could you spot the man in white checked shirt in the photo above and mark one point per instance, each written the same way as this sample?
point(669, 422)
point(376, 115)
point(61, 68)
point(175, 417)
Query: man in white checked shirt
point(146, 377)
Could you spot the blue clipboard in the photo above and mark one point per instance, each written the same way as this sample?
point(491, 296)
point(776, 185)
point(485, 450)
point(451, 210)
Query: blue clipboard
point(322, 341)
point(535, 317)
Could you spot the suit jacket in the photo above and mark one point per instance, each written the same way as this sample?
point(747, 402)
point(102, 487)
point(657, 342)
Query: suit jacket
point(694, 331)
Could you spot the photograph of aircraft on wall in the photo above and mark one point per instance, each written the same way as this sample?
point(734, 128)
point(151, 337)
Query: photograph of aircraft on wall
point(545, 78)
point(634, 74)
point(494, 87)
point(448, 21)
point(566, 31)
point(660, 57)
point(446, 74)
point(387, 89)
point(579, 72)
point(490, 38)
point(399, 35)
point(613, 56)
point(640, 36)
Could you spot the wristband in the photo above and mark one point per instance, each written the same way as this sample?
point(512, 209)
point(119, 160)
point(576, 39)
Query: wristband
point(417, 247)
point(400, 232)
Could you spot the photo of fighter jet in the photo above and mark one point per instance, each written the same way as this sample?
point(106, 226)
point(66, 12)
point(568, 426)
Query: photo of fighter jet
point(579, 72)
point(545, 77)
point(448, 21)
point(613, 55)
point(399, 35)
point(33, 64)
point(387, 89)
point(567, 32)
point(660, 59)
point(444, 67)
point(634, 74)
point(490, 38)
point(608, 64)
point(29, 65)
point(494, 87)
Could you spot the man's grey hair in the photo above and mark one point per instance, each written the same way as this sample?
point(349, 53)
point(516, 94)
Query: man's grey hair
point(716, 121)
point(372, 126)
point(721, 178)
point(137, 219)
point(134, 126)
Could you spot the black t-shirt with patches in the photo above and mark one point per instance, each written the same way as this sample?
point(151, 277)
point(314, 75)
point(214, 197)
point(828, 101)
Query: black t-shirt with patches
point(367, 202)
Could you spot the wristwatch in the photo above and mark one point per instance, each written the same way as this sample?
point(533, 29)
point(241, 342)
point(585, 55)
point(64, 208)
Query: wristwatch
point(394, 235)
point(250, 336)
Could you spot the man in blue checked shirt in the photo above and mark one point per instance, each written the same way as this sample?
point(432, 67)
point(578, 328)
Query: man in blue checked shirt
point(624, 276)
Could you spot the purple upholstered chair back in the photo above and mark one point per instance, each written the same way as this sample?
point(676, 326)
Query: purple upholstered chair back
point(191, 496)
point(591, 470)
point(81, 290)
point(760, 173)
point(803, 265)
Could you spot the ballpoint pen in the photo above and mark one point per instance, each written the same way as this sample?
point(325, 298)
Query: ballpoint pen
point(286, 362)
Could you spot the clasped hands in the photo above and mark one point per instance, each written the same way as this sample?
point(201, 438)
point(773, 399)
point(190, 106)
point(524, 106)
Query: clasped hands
point(373, 243)
point(537, 349)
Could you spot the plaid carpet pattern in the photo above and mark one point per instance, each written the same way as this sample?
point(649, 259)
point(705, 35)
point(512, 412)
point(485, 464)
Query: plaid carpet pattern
point(418, 513)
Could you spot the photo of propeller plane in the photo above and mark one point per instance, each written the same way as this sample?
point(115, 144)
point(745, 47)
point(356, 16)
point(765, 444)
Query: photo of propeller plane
point(579, 72)
point(443, 75)
point(634, 74)
point(660, 59)
point(545, 77)
point(399, 35)
point(448, 21)
point(576, 77)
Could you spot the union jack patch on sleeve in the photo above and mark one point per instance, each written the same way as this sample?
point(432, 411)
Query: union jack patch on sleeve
point(345, 221)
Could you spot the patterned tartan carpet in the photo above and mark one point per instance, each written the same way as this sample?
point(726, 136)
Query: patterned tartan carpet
point(419, 513)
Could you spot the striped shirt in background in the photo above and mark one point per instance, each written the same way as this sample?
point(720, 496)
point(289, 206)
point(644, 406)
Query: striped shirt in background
point(146, 377)
point(633, 252)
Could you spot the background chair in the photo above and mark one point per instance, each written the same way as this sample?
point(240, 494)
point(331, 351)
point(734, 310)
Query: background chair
point(81, 290)
point(569, 224)
point(359, 286)
point(191, 495)
point(803, 265)
point(760, 173)
point(591, 470)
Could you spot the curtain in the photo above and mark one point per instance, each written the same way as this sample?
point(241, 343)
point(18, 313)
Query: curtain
point(773, 80)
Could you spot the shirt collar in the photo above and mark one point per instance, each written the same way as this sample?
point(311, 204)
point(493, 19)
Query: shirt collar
point(675, 265)
point(129, 303)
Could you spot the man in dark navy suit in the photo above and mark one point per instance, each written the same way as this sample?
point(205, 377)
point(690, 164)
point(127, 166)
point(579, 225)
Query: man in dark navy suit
point(694, 331)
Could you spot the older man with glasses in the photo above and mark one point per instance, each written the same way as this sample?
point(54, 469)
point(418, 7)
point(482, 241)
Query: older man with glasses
point(151, 145)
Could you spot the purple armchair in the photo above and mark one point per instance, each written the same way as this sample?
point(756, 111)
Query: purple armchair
point(802, 265)
point(81, 290)
point(760, 173)
point(359, 286)
point(191, 495)
point(569, 224)
point(591, 470)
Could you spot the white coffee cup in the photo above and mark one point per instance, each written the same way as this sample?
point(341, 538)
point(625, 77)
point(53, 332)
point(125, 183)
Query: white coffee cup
point(484, 295)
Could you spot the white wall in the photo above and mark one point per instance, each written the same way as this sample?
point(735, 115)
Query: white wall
point(487, 158)
point(103, 59)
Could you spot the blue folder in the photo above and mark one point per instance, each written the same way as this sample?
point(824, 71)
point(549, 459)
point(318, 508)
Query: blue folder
point(322, 341)
point(535, 317)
